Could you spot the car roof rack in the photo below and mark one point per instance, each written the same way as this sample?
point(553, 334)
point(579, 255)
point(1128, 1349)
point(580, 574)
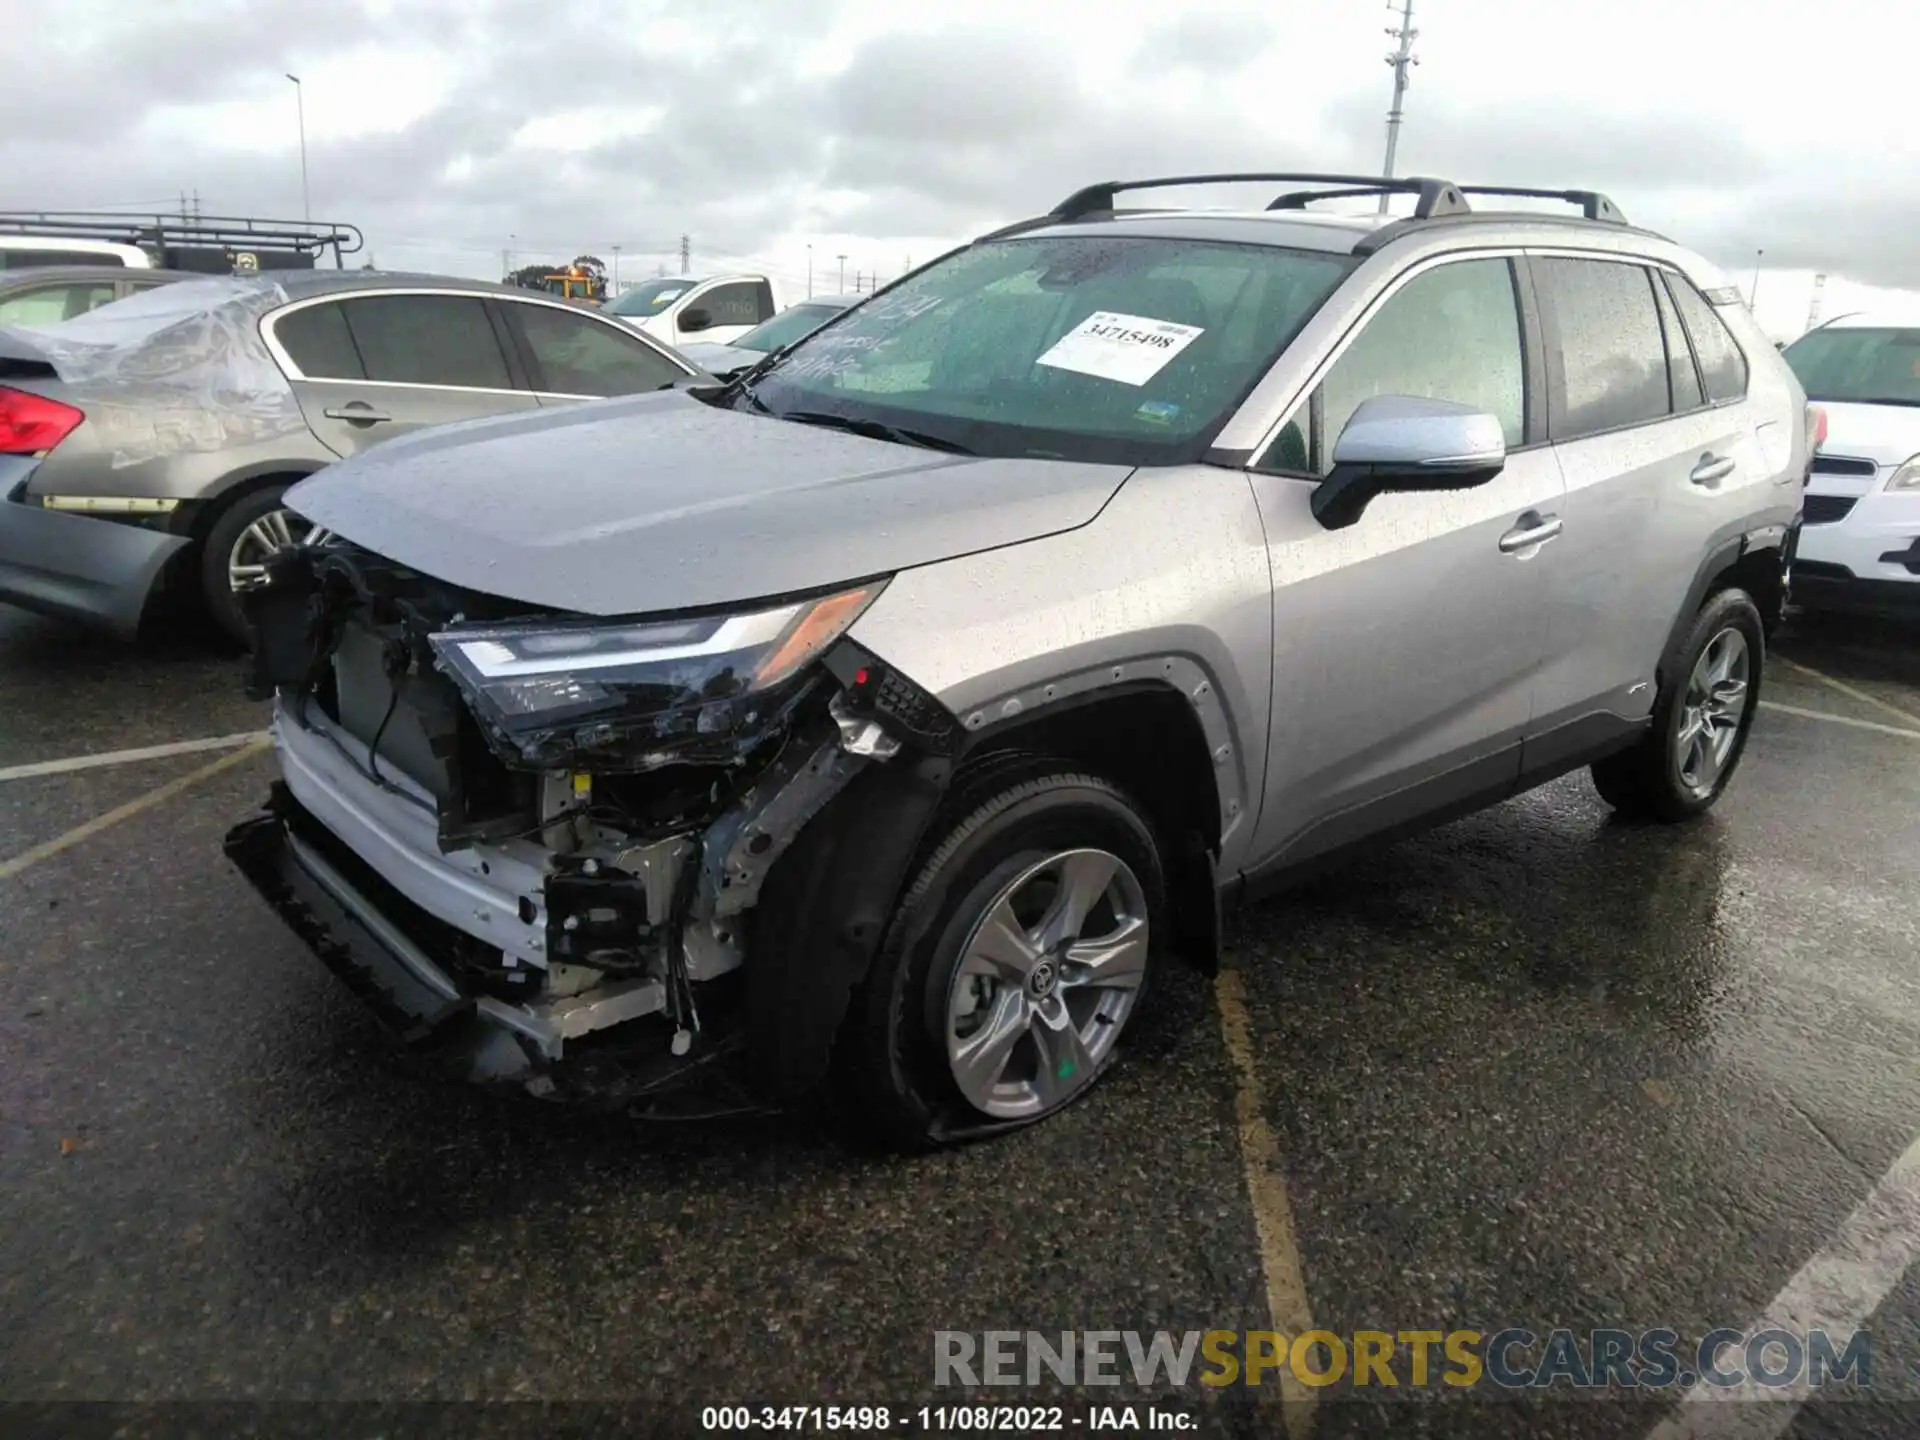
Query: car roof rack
point(1099, 199)
point(207, 243)
point(1593, 205)
point(1436, 198)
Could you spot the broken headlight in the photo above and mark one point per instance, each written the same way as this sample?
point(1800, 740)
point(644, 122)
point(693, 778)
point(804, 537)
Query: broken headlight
point(629, 695)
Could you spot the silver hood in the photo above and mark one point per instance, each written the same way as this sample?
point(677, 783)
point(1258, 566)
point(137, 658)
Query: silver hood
point(662, 502)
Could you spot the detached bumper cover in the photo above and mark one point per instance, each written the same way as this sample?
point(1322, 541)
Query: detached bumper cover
point(382, 946)
point(81, 566)
point(290, 861)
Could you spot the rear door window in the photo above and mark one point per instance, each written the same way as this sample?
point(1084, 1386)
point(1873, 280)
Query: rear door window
point(577, 355)
point(1723, 367)
point(427, 340)
point(1612, 351)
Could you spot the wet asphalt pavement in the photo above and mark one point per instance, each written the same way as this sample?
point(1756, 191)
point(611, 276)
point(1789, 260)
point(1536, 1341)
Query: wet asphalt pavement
point(1535, 1069)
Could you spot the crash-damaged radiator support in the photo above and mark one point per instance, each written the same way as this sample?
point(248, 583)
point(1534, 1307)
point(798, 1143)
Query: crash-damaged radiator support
point(632, 864)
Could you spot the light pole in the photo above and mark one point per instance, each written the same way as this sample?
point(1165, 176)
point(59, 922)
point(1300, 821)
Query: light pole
point(1402, 58)
point(300, 109)
point(1753, 290)
point(843, 274)
point(616, 269)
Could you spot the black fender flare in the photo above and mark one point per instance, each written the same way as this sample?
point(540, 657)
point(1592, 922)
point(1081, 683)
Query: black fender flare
point(1717, 561)
point(824, 909)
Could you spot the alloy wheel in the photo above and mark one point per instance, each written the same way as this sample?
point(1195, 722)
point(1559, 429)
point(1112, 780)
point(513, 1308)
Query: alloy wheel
point(1045, 983)
point(273, 532)
point(1710, 716)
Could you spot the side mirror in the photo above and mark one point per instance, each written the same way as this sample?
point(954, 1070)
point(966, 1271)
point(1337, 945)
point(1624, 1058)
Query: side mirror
point(1404, 442)
point(695, 319)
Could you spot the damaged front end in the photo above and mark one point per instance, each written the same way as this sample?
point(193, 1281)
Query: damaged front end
point(530, 841)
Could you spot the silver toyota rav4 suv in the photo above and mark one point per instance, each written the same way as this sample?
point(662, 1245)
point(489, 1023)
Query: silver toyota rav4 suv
point(880, 720)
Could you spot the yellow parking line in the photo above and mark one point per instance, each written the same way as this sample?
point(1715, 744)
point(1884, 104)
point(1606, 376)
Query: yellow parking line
point(1267, 1193)
point(156, 796)
point(1851, 690)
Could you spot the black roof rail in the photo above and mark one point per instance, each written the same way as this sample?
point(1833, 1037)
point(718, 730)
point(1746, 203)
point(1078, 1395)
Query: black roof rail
point(1593, 205)
point(164, 237)
point(1437, 197)
point(1374, 241)
point(1098, 199)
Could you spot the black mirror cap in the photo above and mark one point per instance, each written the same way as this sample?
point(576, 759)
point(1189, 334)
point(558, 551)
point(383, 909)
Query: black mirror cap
point(694, 320)
point(1342, 498)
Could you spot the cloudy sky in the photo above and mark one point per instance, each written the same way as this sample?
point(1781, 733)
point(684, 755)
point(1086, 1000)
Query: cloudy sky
point(452, 130)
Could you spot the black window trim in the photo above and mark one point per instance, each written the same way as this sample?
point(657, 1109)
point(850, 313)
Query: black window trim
point(1663, 285)
point(1533, 410)
point(527, 365)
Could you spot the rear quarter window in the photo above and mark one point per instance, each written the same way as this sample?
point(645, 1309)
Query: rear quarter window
point(316, 339)
point(1723, 365)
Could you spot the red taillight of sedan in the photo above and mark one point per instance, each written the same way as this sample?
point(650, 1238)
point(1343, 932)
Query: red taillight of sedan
point(31, 424)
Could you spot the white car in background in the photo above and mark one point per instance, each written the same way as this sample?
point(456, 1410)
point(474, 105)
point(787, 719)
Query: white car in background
point(796, 322)
point(717, 310)
point(20, 252)
point(1859, 546)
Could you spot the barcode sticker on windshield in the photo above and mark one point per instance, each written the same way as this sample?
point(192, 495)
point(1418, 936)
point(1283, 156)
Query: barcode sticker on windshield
point(1130, 349)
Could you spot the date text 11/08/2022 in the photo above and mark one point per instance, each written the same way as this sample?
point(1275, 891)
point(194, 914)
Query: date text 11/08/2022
point(935, 1419)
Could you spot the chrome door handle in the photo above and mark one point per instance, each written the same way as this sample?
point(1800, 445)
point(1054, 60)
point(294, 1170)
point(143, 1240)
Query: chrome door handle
point(1712, 469)
point(1532, 530)
point(362, 415)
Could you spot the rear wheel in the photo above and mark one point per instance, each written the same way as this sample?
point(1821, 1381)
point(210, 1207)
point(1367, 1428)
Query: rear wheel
point(1701, 718)
point(1013, 964)
point(234, 558)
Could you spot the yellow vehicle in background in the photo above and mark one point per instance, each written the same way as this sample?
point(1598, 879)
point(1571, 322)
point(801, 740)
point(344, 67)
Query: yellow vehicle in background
point(577, 283)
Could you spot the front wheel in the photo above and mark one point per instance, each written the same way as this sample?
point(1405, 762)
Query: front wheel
point(1701, 718)
point(1014, 962)
point(234, 559)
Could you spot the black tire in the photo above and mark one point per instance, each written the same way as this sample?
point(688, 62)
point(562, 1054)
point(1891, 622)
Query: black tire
point(1645, 782)
point(222, 604)
point(892, 1070)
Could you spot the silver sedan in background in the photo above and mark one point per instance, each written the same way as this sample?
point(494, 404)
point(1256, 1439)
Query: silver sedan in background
point(145, 445)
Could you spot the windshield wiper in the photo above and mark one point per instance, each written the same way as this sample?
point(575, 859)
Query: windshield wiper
point(874, 430)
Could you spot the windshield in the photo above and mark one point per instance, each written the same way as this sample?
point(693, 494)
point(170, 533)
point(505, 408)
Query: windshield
point(648, 298)
point(786, 327)
point(1865, 366)
point(1132, 350)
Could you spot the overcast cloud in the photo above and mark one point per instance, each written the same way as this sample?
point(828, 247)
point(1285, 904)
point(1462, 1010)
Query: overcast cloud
point(450, 132)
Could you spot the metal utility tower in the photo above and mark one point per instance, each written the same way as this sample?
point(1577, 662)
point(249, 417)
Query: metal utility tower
point(686, 253)
point(1813, 310)
point(1402, 60)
